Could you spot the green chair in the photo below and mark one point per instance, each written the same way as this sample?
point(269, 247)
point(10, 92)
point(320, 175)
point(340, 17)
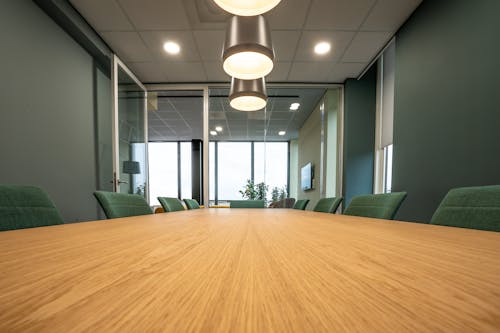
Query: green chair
point(26, 207)
point(171, 204)
point(117, 205)
point(470, 207)
point(301, 204)
point(191, 204)
point(378, 206)
point(328, 205)
point(247, 204)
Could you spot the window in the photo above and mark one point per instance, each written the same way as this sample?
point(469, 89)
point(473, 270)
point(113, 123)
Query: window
point(234, 168)
point(231, 167)
point(388, 169)
point(186, 169)
point(164, 177)
point(271, 165)
point(162, 171)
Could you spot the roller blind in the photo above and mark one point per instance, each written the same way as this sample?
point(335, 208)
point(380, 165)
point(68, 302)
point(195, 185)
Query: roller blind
point(388, 76)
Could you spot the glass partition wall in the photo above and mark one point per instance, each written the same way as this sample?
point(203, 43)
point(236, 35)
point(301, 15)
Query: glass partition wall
point(130, 132)
point(175, 136)
point(258, 155)
point(201, 148)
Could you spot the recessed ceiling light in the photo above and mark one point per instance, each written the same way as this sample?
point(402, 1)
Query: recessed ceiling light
point(218, 129)
point(322, 48)
point(214, 133)
point(281, 133)
point(247, 8)
point(294, 106)
point(172, 47)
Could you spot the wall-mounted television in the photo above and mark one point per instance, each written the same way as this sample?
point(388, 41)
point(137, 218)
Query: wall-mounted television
point(306, 177)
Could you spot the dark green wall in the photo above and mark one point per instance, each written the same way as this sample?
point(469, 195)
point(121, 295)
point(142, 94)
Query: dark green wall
point(359, 135)
point(47, 110)
point(447, 102)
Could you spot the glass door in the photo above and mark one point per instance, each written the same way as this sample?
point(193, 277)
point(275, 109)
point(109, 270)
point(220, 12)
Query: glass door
point(130, 132)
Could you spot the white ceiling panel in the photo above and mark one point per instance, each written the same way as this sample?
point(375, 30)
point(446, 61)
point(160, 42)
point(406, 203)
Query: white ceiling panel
point(128, 45)
point(288, 15)
point(365, 46)
point(210, 44)
point(342, 71)
point(103, 15)
point(338, 14)
point(215, 73)
point(155, 40)
point(184, 71)
point(388, 15)
point(148, 72)
point(156, 14)
point(310, 71)
point(338, 39)
point(285, 43)
point(280, 72)
point(137, 29)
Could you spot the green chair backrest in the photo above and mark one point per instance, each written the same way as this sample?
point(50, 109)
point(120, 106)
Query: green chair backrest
point(117, 205)
point(301, 204)
point(470, 207)
point(191, 204)
point(26, 207)
point(328, 205)
point(171, 204)
point(379, 206)
point(247, 204)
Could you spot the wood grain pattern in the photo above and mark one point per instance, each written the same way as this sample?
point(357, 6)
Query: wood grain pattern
point(249, 270)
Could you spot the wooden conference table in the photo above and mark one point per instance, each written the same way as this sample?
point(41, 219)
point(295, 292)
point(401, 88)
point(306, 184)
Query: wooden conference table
point(259, 270)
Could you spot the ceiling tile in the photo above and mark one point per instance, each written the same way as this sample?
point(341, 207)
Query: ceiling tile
point(365, 46)
point(288, 15)
point(389, 15)
point(338, 14)
point(280, 72)
point(156, 14)
point(343, 71)
point(285, 43)
point(215, 72)
point(310, 71)
point(128, 46)
point(210, 44)
point(184, 71)
point(147, 72)
point(103, 15)
point(155, 40)
point(338, 39)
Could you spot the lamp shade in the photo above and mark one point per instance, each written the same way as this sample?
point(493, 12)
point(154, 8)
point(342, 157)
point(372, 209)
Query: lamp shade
point(248, 95)
point(248, 50)
point(131, 167)
point(247, 7)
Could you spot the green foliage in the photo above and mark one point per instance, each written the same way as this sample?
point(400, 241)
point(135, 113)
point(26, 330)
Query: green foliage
point(253, 191)
point(278, 194)
point(275, 194)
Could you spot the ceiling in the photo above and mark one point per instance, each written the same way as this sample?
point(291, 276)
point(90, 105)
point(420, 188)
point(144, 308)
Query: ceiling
point(179, 115)
point(137, 29)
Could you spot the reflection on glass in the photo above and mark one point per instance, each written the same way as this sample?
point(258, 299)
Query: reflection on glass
point(176, 132)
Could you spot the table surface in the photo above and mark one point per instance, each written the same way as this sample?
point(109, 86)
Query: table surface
point(249, 270)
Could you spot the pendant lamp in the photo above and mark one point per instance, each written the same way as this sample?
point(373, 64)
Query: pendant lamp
point(248, 50)
point(248, 95)
point(247, 7)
